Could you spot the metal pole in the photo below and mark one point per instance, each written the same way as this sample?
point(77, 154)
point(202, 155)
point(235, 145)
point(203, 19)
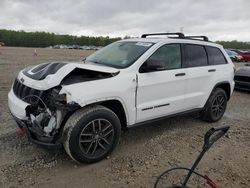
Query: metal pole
point(194, 166)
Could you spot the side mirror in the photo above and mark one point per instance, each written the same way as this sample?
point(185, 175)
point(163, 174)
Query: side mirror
point(152, 65)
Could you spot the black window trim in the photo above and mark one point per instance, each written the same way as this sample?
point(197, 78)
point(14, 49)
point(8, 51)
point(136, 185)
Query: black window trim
point(183, 57)
point(181, 51)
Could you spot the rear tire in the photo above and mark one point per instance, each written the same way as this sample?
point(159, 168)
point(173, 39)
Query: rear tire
point(91, 134)
point(215, 106)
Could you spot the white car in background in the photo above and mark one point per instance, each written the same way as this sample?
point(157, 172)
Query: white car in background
point(84, 105)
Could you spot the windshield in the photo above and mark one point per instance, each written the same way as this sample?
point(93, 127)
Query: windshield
point(119, 54)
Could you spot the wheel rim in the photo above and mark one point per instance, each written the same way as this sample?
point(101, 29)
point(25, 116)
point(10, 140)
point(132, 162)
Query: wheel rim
point(96, 137)
point(218, 106)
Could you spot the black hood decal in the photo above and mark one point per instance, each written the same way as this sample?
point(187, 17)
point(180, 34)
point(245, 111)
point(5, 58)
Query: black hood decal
point(43, 70)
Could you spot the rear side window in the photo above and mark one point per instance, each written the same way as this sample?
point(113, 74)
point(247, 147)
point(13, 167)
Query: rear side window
point(215, 56)
point(195, 55)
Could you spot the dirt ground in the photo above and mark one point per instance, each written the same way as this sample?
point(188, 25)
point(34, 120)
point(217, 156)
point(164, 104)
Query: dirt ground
point(142, 154)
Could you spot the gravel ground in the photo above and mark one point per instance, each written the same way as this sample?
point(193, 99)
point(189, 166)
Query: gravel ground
point(142, 154)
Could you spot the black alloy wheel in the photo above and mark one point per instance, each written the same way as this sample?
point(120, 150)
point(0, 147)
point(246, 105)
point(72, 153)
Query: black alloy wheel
point(218, 106)
point(215, 106)
point(96, 137)
point(91, 134)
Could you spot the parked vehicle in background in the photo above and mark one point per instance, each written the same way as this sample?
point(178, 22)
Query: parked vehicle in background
point(84, 47)
point(242, 78)
point(2, 44)
point(245, 54)
point(234, 56)
point(84, 105)
point(60, 46)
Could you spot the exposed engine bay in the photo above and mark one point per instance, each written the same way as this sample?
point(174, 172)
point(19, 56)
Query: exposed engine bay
point(48, 109)
point(81, 75)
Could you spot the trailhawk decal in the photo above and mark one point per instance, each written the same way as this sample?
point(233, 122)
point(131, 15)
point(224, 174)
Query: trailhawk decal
point(153, 107)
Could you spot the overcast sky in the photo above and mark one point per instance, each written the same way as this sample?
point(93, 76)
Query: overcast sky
point(218, 19)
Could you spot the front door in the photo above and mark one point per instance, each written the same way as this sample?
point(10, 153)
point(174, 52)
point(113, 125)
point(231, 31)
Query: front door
point(162, 92)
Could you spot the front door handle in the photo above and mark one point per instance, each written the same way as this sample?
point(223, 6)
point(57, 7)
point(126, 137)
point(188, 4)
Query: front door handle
point(181, 74)
point(211, 70)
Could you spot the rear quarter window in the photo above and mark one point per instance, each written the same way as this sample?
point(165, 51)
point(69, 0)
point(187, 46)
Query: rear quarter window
point(215, 56)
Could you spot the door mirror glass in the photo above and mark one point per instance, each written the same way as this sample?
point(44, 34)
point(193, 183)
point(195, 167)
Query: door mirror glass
point(153, 65)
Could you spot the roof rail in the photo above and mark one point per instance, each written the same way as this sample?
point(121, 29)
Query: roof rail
point(205, 38)
point(180, 35)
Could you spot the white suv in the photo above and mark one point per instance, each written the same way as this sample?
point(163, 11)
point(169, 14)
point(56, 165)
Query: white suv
point(84, 105)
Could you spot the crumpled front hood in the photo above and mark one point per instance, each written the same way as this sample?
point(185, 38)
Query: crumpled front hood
point(48, 75)
point(41, 71)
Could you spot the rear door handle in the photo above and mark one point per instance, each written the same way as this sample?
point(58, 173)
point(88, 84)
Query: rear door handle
point(180, 74)
point(211, 70)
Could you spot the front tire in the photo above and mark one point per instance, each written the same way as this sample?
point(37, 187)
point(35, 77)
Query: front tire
point(215, 106)
point(91, 134)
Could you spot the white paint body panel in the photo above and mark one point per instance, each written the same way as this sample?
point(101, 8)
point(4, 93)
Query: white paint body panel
point(121, 87)
point(152, 89)
point(160, 88)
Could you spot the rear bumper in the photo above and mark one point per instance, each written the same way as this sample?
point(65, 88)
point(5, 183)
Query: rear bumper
point(232, 87)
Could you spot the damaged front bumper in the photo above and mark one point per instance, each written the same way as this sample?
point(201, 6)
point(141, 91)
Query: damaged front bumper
point(18, 108)
point(32, 137)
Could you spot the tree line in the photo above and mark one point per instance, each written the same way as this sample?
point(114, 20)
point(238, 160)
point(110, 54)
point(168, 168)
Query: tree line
point(44, 39)
point(234, 44)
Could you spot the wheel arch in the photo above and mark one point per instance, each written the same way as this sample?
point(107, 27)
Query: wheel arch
point(117, 107)
point(206, 113)
point(225, 86)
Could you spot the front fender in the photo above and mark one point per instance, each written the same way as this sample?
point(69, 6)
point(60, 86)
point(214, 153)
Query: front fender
point(84, 100)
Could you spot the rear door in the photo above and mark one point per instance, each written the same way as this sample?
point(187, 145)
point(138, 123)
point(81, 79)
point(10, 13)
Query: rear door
point(199, 74)
point(206, 67)
point(221, 72)
point(162, 92)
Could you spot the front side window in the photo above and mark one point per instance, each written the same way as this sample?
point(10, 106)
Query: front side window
point(169, 56)
point(119, 54)
point(195, 55)
point(215, 56)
